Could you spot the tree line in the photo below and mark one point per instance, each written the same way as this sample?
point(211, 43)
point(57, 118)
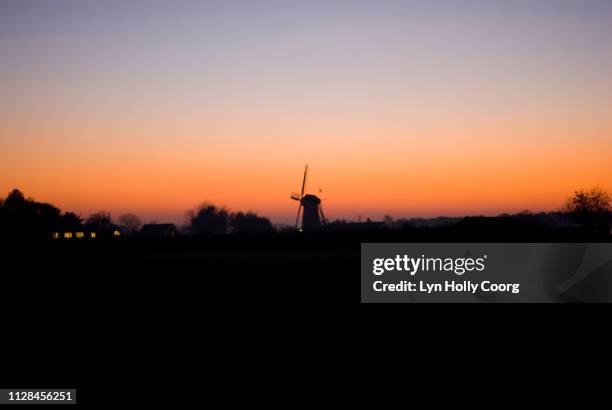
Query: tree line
point(25, 217)
point(211, 219)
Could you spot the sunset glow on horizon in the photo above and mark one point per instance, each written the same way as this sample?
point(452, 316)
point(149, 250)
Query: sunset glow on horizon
point(406, 108)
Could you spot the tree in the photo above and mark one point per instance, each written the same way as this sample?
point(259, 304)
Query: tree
point(208, 219)
point(249, 222)
point(46, 216)
point(15, 200)
point(100, 221)
point(591, 209)
point(21, 217)
point(129, 223)
point(71, 221)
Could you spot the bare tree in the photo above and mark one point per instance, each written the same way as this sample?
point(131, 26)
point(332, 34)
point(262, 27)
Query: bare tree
point(129, 223)
point(591, 209)
point(100, 221)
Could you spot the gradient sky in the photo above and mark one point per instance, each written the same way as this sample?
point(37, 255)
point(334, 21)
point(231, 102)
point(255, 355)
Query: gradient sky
point(408, 108)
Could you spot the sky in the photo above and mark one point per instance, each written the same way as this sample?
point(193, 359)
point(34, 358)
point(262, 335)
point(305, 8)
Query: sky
point(407, 108)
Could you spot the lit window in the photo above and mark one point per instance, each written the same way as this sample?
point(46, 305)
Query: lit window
point(67, 235)
point(80, 235)
point(116, 233)
point(56, 235)
point(92, 235)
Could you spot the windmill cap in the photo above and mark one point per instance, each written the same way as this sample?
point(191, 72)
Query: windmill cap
point(311, 198)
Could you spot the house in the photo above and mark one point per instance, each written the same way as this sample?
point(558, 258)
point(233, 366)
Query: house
point(76, 235)
point(159, 230)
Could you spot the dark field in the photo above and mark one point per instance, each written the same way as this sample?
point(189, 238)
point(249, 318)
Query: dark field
point(93, 312)
point(242, 268)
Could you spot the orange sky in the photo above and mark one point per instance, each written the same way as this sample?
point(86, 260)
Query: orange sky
point(437, 115)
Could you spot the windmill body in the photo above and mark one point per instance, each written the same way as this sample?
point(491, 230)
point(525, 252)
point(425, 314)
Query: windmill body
point(311, 220)
point(312, 215)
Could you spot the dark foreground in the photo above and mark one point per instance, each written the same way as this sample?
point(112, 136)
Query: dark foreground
point(265, 268)
point(108, 307)
point(102, 276)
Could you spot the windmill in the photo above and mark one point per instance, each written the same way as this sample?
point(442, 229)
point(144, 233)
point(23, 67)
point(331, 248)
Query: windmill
point(312, 215)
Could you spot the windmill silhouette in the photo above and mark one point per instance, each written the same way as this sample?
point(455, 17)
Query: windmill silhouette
point(313, 218)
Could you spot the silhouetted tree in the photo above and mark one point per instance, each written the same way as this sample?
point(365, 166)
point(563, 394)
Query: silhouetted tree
point(15, 200)
point(100, 222)
point(249, 223)
point(21, 217)
point(129, 223)
point(71, 222)
point(591, 209)
point(18, 218)
point(48, 217)
point(208, 219)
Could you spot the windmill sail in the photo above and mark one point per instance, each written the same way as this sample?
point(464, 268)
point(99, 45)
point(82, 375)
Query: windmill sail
point(304, 181)
point(309, 208)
